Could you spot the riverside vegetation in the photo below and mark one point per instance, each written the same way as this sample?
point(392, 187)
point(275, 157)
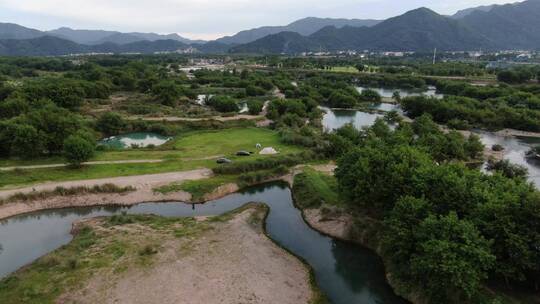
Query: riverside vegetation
point(447, 232)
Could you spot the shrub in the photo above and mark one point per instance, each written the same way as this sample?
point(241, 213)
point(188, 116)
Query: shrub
point(78, 150)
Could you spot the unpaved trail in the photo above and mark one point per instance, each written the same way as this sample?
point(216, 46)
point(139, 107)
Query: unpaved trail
point(233, 262)
point(105, 162)
point(188, 119)
point(143, 184)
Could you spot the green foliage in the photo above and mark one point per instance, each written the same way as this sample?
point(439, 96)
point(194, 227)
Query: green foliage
point(255, 107)
point(495, 113)
point(515, 76)
point(224, 104)
point(508, 169)
point(370, 96)
point(453, 255)
point(166, 92)
point(78, 149)
point(439, 215)
point(311, 189)
point(110, 123)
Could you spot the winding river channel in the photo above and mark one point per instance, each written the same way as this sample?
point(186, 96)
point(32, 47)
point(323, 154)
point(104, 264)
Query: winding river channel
point(346, 273)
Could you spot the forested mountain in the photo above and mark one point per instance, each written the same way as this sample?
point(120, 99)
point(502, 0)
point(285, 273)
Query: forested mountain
point(54, 46)
point(418, 30)
point(465, 12)
point(15, 31)
point(41, 46)
point(100, 36)
point(510, 26)
point(305, 27)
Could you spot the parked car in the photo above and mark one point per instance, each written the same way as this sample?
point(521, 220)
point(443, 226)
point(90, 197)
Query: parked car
point(243, 153)
point(223, 160)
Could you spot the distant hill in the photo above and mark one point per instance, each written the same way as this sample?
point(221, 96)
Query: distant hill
point(305, 27)
point(510, 26)
point(417, 30)
point(54, 46)
point(92, 37)
point(465, 12)
point(15, 31)
point(41, 46)
point(284, 42)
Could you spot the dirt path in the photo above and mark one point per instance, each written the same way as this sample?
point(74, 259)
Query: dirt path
point(512, 132)
point(144, 185)
point(135, 161)
point(216, 118)
point(232, 263)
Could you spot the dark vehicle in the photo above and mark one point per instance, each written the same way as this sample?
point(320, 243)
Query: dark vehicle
point(223, 161)
point(243, 153)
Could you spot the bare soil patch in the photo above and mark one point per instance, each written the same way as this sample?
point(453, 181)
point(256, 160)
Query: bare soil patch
point(230, 261)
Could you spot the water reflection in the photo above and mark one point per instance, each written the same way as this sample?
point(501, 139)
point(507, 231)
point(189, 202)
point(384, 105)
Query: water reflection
point(335, 119)
point(141, 140)
point(389, 93)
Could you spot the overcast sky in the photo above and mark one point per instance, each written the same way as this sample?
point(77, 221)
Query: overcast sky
point(205, 19)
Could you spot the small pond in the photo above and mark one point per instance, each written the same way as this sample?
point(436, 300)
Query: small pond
point(141, 140)
point(388, 93)
point(347, 273)
point(335, 119)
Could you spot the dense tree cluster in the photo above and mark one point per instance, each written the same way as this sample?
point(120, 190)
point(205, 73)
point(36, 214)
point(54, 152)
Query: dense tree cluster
point(448, 229)
point(517, 111)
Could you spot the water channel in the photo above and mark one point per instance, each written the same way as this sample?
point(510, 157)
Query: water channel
point(347, 273)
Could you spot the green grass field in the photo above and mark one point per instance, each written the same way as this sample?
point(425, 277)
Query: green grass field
point(183, 153)
point(312, 189)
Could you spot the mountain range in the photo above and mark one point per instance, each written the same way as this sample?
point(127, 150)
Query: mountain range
point(510, 26)
point(305, 27)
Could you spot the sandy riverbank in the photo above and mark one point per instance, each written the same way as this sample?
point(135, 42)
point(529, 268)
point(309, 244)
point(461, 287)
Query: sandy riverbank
point(143, 184)
point(227, 262)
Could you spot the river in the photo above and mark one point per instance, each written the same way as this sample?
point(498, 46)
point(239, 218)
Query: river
point(347, 273)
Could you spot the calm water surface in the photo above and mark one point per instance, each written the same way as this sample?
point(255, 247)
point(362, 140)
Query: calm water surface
point(141, 140)
point(389, 93)
point(515, 149)
point(335, 119)
point(346, 272)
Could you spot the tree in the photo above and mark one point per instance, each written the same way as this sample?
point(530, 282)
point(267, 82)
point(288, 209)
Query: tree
point(396, 96)
point(370, 96)
point(452, 258)
point(110, 123)
point(224, 104)
point(473, 146)
point(508, 169)
point(255, 107)
point(27, 142)
point(78, 150)
point(166, 92)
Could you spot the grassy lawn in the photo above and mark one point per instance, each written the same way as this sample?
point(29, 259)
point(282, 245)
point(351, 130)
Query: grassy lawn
point(199, 188)
point(312, 189)
point(228, 142)
point(19, 178)
point(193, 146)
point(344, 69)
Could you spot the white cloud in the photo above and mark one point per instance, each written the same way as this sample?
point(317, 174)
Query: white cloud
point(207, 18)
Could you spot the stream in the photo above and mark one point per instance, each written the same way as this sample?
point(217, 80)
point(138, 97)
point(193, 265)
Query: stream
point(347, 273)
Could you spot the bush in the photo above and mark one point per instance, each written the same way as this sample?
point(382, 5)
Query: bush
point(110, 123)
point(78, 150)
